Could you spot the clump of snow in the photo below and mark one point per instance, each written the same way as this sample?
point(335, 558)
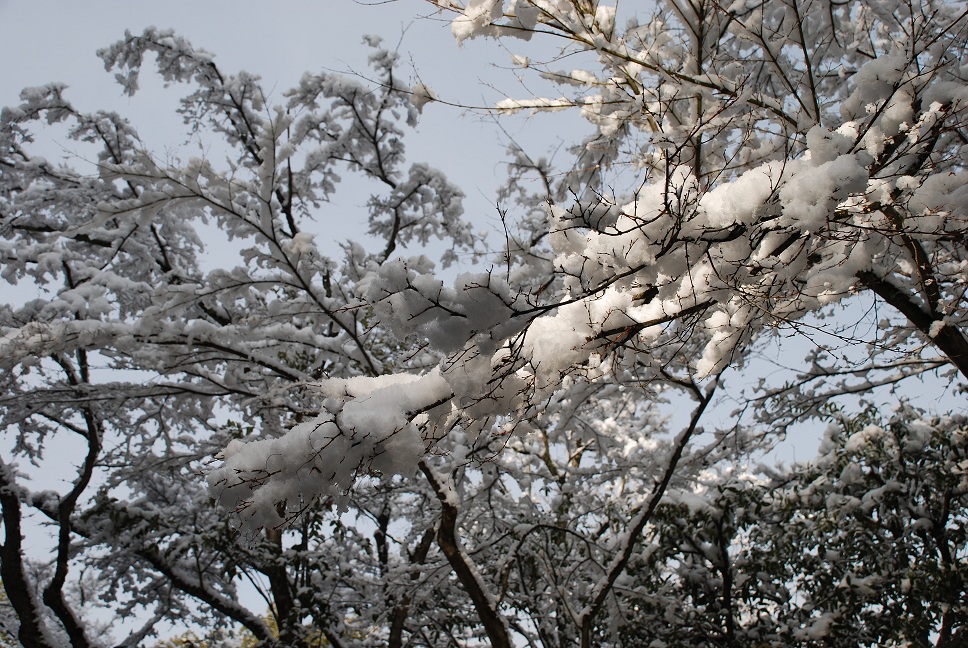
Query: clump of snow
point(555, 343)
point(860, 441)
point(302, 243)
point(737, 201)
point(537, 104)
point(873, 83)
point(825, 145)
point(476, 17)
point(376, 430)
point(811, 192)
point(421, 95)
point(524, 16)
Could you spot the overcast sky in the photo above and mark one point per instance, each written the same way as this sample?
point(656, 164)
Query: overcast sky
point(47, 41)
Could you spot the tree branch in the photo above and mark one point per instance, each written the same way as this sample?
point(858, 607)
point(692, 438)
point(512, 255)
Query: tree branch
point(494, 624)
point(640, 518)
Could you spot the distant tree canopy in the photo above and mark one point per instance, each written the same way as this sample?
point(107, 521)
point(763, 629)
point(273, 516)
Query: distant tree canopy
point(562, 447)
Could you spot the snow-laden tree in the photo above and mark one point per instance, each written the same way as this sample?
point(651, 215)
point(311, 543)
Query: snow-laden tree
point(137, 362)
point(863, 546)
point(530, 454)
point(781, 157)
point(755, 169)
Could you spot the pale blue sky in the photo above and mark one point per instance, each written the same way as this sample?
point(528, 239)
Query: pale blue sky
point(56, 40)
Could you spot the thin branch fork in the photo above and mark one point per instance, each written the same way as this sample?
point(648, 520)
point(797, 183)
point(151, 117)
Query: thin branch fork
point(640, 518)
point(494, 624)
